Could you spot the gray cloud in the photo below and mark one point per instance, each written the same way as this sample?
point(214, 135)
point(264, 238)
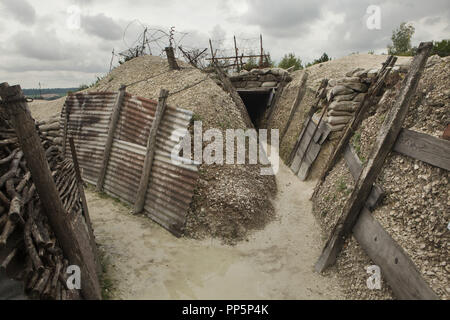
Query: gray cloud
point(102, 26)
point(42, 46)
point(20, 10)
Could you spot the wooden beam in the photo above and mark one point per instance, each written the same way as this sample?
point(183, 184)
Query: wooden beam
point(228, 87)
point(397, 268)
point(109, 140)
point(355, 166)
point(383, 145)
point(74, 242)
point(298, 99)
point(151, 146)
point(424, 147)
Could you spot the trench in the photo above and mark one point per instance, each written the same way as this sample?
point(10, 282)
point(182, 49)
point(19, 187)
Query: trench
point(257, 102)
point(144, 261)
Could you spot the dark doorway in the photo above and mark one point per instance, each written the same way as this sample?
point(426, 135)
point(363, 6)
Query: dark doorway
point(256, 102)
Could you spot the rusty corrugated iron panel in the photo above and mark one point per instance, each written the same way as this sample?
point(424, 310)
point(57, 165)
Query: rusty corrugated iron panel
point(171, 185)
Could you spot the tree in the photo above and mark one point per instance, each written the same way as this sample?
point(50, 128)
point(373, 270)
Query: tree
point(251, 64)
point(289, 60)
point(441, 48)
point(401, 40)
point(323, 58)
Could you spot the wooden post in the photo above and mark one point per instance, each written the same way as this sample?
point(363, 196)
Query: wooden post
point(382, 147)
point(84, 202)
point(110, 138)
point(72, 242)
point(297, 101)
point(262, 51)
point(171, 59)
point(151, 146)
point(237, 58)
point(212, 52)
point(65, 128)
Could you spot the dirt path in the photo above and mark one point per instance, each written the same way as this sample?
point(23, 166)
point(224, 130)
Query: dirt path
point(147, 262)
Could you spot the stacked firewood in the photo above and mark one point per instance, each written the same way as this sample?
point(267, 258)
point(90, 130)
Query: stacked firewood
point(27, 243)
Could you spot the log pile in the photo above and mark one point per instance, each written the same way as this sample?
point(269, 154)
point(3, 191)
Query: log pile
point(28, 247)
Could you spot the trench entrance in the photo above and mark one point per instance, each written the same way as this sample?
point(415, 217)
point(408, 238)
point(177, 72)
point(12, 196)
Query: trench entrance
point(257, 101)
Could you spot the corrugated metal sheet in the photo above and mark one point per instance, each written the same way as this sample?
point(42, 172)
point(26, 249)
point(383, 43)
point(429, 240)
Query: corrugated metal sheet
point(171, 185)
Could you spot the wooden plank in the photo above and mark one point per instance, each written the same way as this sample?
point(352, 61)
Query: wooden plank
point(424, 147)
point(397, 268)
point(311, 156)
point(150, 153)
point(383, 145)
point(109, 141)
point(73, 240)
point(297, 101)
point(301, 147)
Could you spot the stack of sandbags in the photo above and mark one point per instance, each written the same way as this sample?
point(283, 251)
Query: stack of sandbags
point(50, 130)
point(344, 96)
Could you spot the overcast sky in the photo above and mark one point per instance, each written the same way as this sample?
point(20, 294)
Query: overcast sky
point(42, 41)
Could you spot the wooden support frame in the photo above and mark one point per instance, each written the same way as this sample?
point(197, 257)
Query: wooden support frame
point(109, 140)
point(151, 146)
point(73, 240)
point(361, 112)
point(383, 145)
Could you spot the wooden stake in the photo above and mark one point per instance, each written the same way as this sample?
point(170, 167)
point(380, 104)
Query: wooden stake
point(171, 59)
point(109, 141)
point(382, 147)
point(151, 146)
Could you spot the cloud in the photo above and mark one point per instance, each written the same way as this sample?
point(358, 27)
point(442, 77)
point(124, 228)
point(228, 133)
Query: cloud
point(101, 26)
point(44, 45)
point(21, 10)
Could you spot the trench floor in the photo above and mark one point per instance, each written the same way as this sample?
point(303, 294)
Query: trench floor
point(144, 261)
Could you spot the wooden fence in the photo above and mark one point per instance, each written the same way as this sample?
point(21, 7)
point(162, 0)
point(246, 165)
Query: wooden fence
point(124, 144)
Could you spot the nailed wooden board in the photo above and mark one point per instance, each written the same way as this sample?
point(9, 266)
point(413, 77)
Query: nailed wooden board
point(303, 144)
point(396, 267)
point(424, 147)
point(311, 155)
point(355, 166)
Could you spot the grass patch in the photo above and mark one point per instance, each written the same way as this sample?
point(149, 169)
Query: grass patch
point(106, 283)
